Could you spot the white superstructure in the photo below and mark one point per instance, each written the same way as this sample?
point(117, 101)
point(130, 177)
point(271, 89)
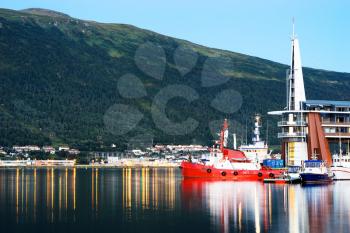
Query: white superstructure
point(341, 167)
point(258, 150)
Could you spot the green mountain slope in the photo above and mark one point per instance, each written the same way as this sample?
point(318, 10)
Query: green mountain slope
point(59, 77)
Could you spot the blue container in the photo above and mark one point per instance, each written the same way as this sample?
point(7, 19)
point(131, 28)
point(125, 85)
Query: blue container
point(273, 163)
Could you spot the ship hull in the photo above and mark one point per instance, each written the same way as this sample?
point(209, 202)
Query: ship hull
point(315, 178)
point(193, 170)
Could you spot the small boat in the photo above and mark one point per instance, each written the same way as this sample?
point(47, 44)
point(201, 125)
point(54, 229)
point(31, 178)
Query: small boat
point(315, 172)
point(341, 163)
point(341, 167)
point(291, 176)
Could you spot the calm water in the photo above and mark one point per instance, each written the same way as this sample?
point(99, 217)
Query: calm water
point(158, 200)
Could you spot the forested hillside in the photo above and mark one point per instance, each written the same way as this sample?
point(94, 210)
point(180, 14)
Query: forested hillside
point(68, 81)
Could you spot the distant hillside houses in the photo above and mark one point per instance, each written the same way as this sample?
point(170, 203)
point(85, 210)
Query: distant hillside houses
point(49, 149)
point(2, 152)
point(179, 148)
point(73, 151)
point(46, 149)
point(28, 148)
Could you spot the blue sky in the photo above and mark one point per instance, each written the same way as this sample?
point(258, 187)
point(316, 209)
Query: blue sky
point(256, 27)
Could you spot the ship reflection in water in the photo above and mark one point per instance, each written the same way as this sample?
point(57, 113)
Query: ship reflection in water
point(159, 200)
point(258, 207)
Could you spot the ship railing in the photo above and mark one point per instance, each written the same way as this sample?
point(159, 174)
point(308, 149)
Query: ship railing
point(291, 123)
point(347, 123)
point(290, 135)
point(337, 135)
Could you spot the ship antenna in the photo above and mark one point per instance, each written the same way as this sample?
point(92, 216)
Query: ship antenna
point(267, 132)
point(293, 35)
point(246, 131)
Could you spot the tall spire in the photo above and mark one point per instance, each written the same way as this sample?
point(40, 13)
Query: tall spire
point(293, 35)
point(296, 91)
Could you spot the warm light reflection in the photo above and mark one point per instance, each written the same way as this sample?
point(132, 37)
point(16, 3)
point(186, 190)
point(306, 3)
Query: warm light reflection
point(171, 188)
point(127, 187)
point(26, 195)
point(155, 188)
point(34, 195)
point(22, 189)
point(74, 188)
point(59, 197)
point(143, 188)
point(17, 194)
point(47, 189)
point(96, 190)
point(36, 189)
point(293, 211)
point(52, 192)
point(66, 189)
point(93, 189)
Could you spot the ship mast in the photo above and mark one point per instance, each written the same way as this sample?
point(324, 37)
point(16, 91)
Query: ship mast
point(257, 127)
point(224, 135)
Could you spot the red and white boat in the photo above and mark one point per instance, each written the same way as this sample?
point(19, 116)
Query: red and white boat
point(228, 164)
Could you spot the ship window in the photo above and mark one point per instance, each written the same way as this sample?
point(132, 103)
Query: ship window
point(312, 164)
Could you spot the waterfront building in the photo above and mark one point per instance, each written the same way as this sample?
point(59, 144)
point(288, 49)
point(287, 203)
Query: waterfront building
point(49, 149)
point(186, 148)
point(63, 148)
point(73, 151)
point(308, 128)
point(2, 152)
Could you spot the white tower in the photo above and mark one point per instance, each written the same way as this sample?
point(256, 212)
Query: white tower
point(294, 136)
point(296, 91)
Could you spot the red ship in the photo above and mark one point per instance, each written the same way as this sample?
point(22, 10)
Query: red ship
point(227, 164)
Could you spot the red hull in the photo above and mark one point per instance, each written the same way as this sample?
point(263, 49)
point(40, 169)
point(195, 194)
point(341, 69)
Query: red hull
point(192, 170)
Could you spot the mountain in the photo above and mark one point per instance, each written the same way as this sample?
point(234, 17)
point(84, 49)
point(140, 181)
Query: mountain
point(89, 84)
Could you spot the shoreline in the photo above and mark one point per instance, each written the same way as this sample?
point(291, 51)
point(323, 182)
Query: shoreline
point(94, 166)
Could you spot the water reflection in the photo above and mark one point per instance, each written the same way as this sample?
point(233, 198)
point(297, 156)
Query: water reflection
point(27, 193)
point(52, 193)
point(153, 199)
point(257, 207)
point(147, 188)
